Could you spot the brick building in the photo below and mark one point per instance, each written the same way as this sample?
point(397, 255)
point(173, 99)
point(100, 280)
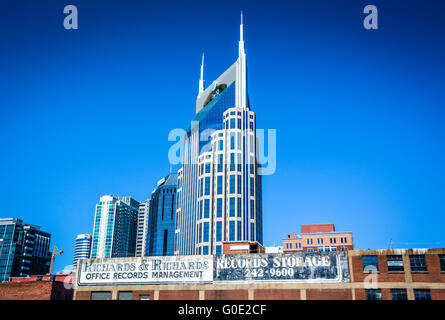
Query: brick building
point(318, 237)
point(372, 274)
point(38, 287)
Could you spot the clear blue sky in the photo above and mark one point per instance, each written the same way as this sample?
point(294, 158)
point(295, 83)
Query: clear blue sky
point(359, 114)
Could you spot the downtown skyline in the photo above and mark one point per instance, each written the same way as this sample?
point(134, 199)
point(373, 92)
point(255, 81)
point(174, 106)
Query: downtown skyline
point(357, 114)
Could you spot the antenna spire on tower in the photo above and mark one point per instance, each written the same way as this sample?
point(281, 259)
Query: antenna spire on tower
point(201, 80)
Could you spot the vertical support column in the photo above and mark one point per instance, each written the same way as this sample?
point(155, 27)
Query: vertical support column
point(303, 294)
point(201, 294)
point(250, 294)
point(114, 295)
point(408, 277)
point(156, 295)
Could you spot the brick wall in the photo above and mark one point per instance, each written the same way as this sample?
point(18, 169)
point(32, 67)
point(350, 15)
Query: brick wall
point(226, 295)
point(178, 295)
point(328, 294)
point(277, 294)
point(39, 290)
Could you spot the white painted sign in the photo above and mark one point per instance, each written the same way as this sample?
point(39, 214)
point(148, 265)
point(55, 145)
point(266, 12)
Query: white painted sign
point(147, 270)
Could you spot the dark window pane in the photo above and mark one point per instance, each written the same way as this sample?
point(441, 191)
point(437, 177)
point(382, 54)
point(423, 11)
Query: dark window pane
point(422, 294)
point(417, 262)
point(370, 263)
point(399, 294)
point(395, 263)
point(373, 294)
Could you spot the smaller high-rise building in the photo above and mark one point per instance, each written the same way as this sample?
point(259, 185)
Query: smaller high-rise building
point(24, 249)
point(82, 248)
point(318, 237)
point(141, 239)
point(115, 227)
point(161, 225)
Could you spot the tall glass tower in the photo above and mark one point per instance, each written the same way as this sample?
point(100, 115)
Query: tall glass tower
point(115, 227)
point(161, 222)
point(24, 249)
point(219, 188)
point(82, 248)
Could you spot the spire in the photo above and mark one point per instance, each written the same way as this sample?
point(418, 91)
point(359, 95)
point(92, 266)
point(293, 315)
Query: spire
point(201, 80)
point(241, 71)
point(241, 34)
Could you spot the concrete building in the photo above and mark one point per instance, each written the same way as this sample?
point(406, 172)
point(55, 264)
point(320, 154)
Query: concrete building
point(219, 184)
point(412, 274)
point(161, 225)
point(82, 248)
point(115, 227)
point(24, 249)
point(143, 217)
point(318, 237)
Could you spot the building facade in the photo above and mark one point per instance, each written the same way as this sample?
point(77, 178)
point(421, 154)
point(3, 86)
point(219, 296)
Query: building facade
point(318, 237)
point(395, 274)
point(219, 184)
point(161, 225)
point(115, 227)
point(24, 249)
point(82, 248)
point(143, 217)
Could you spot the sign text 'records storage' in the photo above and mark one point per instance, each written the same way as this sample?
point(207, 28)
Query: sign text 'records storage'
point(288, 267)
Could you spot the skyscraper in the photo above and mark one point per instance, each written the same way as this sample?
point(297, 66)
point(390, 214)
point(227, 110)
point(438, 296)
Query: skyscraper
point(24, 249)
point(115, 227)
point(219, 188)
point(161, 225)
point(82, 248)
point(141, 239)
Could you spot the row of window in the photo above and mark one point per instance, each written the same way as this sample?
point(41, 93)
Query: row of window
point(398, 294)
point(395, 262)
point(371, 294)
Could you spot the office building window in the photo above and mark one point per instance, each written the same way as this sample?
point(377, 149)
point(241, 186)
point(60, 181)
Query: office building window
point(221, 145)
point(252, 231)
point(373, 294)
point(239, 230)
point(395, 263)
point(399, 294)
point(219, 184)
point(206, 232)
point(232, 162)
point(239, 184)
point(218, 249)
point(252, 187)
point(232, 183)
point(144, 297)
point(125, 295)
point(232, 141)
point(207, 186)
point(101, 295)
point(252, 209)
point(220, 163)
point(239, 207)
point(417, 262)
point(219, 231)
point(370, 263)
point(219, 207)
point(232, 231)
point(442, 262)
point(206, 208)
point(422, 294)
point(232, 207)
point(205, 250)
point(232, 123)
